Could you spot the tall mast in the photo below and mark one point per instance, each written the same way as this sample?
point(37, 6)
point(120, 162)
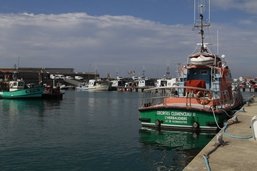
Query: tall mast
point(201, 10)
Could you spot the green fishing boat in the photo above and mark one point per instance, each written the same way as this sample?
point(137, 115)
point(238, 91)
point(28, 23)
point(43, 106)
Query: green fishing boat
point(19, 90)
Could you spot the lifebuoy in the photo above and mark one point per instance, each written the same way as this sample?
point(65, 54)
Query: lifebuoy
point(203, 98)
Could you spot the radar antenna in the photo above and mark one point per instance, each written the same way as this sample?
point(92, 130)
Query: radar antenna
point(201, 10)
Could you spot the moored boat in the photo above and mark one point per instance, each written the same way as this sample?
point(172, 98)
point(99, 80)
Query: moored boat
point(203, 97)
point(18, 89)
point(52, 93)
point(99, 85)
point(82, 87)
point(165, 82)
point(118, 84)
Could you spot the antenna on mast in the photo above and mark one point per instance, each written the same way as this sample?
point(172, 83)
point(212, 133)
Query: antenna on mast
point(218, 51)
point(201, 10)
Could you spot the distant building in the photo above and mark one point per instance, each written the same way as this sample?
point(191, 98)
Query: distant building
point(35, 75)
point(46, 70)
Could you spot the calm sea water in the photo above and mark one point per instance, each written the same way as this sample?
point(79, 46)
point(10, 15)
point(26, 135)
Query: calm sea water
point(92, 131)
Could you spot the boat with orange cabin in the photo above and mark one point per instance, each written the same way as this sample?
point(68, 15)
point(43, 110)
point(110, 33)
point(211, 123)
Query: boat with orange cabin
point(203, 98)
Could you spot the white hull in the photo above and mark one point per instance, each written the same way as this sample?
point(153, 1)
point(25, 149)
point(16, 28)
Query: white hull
point(98, 85)
point(82, 88)
point(98, 88)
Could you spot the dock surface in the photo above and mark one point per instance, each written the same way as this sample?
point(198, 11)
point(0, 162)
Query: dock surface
point(239, 150)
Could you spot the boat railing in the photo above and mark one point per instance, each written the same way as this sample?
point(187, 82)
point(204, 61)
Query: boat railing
point(155, 96)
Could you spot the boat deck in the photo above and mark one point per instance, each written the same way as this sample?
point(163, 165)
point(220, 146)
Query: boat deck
point(238, 150)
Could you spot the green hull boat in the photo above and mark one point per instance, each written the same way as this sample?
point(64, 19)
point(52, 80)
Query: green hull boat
point(35, 92)
point(203, 96)
point(181, 119)
point(19, 90)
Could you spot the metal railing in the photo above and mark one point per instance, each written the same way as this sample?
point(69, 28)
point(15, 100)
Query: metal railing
point(155, 96)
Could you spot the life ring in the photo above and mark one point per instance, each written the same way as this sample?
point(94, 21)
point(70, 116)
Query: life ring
point(203, 98)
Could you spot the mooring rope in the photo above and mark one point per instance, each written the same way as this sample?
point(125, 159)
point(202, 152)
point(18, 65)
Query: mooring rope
point(214, 116)
point(224, 132)
point(226, 112)
point(235, 136)
point(206, 161)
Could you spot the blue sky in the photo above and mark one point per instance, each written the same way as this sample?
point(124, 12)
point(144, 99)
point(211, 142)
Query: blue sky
point(117, 36)
point(164, 11)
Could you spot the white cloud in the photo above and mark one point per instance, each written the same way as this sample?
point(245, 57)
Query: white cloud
point(107, 43)
point(249, 6)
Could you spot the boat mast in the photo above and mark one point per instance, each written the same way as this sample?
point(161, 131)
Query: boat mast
point(201, 22)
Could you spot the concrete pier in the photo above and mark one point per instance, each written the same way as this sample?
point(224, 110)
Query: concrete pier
point(238, 150)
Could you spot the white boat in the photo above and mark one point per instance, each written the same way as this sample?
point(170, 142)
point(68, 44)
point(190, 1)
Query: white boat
point(82, 87)
point(117, 84)
point(145, 83)
point(165, 82)
point(78, 77)
point(98, 85)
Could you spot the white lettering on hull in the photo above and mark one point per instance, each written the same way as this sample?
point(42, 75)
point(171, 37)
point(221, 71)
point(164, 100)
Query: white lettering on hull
point(176, 117)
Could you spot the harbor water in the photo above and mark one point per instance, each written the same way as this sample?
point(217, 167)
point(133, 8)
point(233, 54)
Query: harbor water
point(92, 131)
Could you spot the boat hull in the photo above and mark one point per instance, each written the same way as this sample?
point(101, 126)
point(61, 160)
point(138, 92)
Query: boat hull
point(99, 88)
point(181, 119)
point(34, 92)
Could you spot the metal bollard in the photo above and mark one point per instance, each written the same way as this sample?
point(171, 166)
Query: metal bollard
point(254, 127)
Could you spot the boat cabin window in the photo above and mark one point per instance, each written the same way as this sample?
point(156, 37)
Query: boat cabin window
point(14, 84)
point(20, 84)
point(163, 83)
point(193, 73)
point(204, 72)
point(17, 85)
point(200, 74)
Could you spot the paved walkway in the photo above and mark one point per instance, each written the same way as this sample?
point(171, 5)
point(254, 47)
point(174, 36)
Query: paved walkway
point(238, 152)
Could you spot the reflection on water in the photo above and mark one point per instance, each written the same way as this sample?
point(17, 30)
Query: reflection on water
point(176, 148)
point(175, 139)
point(13, 107)
point(88, 131)
point(13, 110)
point(37, 106)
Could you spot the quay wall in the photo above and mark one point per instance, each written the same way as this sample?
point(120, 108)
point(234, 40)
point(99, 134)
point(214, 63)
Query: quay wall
point(233, 148)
